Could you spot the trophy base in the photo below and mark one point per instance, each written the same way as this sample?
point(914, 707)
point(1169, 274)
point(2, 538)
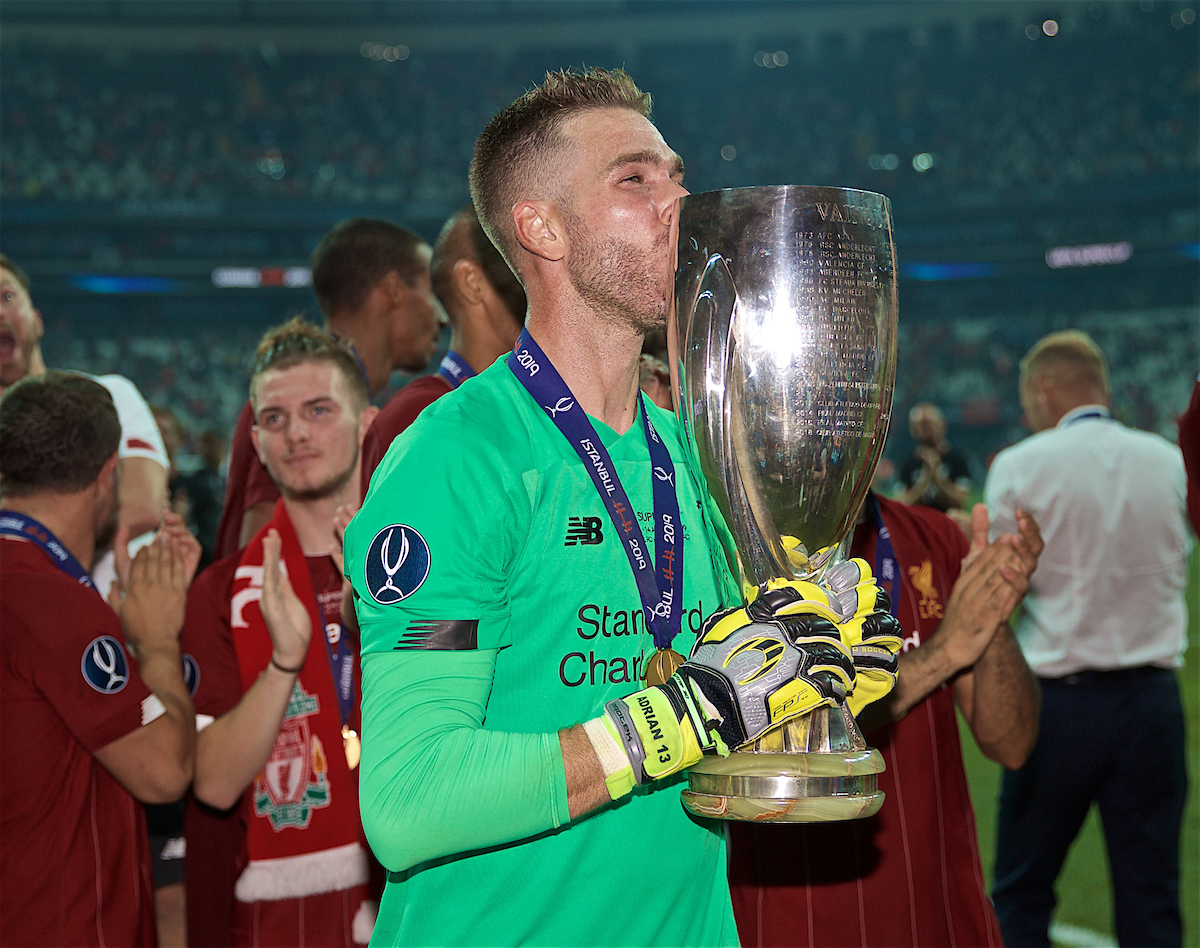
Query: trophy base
point(816, 769)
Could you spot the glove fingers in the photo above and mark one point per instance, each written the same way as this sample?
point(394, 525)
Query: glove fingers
point(794, 597)
point(814, 632)
point(883, 629)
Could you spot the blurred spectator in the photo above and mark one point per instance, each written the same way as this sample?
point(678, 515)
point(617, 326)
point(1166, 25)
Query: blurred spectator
point(203, 490)
point(1103, 627)
point(485, 304)
point(371, 279)
point(936, 475)
point(141, 485)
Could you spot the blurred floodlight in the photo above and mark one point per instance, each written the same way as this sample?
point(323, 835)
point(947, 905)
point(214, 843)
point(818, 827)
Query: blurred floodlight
point(1050, 27)
point(1147, 6)
point(891, 162)
point(252, 278)
point(235, 277)
point(1089, 255)
point(780, 58)
point(1032, 31)
point(327, 172)
point(924, 161)
point(728, 152)
point(760, 58)
point(365, 50)
point(1183, 18)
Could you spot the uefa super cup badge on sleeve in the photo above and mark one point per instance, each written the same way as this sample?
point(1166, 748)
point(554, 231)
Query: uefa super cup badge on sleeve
point(782, 342)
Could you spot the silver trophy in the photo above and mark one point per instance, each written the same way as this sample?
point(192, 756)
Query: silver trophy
point(782, 345)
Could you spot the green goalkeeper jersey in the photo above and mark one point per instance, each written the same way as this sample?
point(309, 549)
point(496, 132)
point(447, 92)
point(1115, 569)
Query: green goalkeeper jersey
point(497, 606)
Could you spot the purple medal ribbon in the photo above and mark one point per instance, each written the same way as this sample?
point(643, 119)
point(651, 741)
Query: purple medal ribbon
point(17, 525)
point(887, 570)
point(341, 665)
point(661, 589)
point(454, 369)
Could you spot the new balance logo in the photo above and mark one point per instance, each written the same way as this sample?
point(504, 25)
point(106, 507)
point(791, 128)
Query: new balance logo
point(585, 530)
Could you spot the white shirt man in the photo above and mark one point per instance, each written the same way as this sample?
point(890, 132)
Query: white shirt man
point(1103, 627)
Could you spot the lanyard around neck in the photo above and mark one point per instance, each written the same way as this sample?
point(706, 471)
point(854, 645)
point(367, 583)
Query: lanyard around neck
point(660, 588)
point(454, 369)
point(20, 526)
point(887, 570)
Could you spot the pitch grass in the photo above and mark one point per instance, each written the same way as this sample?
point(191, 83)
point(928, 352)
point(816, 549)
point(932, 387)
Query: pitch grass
point(1084, 890)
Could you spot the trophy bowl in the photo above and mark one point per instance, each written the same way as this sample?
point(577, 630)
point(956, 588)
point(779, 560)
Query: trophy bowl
point(782, 348)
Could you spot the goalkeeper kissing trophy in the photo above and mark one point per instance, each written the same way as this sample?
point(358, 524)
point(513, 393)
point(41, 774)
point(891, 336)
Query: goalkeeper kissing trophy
point(782, 345)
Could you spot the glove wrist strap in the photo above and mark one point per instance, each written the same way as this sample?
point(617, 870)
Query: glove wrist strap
point(626, 732)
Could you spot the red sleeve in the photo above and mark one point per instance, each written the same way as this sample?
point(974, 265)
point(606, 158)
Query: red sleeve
point(400, 412)
point(1189, 444)
point(88, 676)
point(208, 639)
point(247, 484)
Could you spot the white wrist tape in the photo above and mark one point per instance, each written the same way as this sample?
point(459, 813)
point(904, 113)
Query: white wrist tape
point(612, 755)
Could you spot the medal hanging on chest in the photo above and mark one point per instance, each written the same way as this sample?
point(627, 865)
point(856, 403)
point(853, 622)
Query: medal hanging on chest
point(659, 582)
point(662, 666)
point(351, 745)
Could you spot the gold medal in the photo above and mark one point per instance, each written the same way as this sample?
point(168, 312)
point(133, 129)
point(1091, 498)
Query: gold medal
point(352, 746)
point(662, 666)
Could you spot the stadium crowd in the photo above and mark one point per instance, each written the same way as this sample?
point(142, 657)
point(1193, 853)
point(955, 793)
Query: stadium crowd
point(365, 701)
point(335, 128)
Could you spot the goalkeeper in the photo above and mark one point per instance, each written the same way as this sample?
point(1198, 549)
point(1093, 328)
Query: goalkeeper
point(527, 546)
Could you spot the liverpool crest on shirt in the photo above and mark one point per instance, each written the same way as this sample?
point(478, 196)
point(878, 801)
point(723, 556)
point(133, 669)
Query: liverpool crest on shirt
point(294, 780)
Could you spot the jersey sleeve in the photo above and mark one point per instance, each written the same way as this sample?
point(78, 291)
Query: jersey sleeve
point(207, 642)
point(140, 437)
point(428, 554)
point(89, 676)
point(999, 495)
point(434, 782)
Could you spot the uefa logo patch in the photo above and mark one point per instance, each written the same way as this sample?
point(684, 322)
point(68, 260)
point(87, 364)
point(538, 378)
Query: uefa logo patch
point(397, 564)
point(104, 666)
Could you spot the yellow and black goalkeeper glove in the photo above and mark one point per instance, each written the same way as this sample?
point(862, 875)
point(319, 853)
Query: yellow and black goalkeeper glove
point(754, 667)
point(870, 631)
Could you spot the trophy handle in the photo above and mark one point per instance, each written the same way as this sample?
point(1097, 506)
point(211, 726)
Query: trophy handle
point(712, 328)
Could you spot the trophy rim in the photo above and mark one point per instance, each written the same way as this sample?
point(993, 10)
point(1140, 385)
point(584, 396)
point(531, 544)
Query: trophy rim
point(775, 188)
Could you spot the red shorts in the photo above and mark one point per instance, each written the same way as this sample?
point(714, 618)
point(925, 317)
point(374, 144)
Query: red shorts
point(324, 920)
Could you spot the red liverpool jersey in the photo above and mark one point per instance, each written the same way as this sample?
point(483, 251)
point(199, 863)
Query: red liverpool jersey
point(910, 875)
point(74, 858)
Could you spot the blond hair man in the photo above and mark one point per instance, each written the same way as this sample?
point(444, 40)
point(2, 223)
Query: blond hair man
point(1103, 628)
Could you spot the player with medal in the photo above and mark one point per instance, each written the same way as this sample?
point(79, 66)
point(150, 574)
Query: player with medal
point(276, 681)
point(557, 547)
